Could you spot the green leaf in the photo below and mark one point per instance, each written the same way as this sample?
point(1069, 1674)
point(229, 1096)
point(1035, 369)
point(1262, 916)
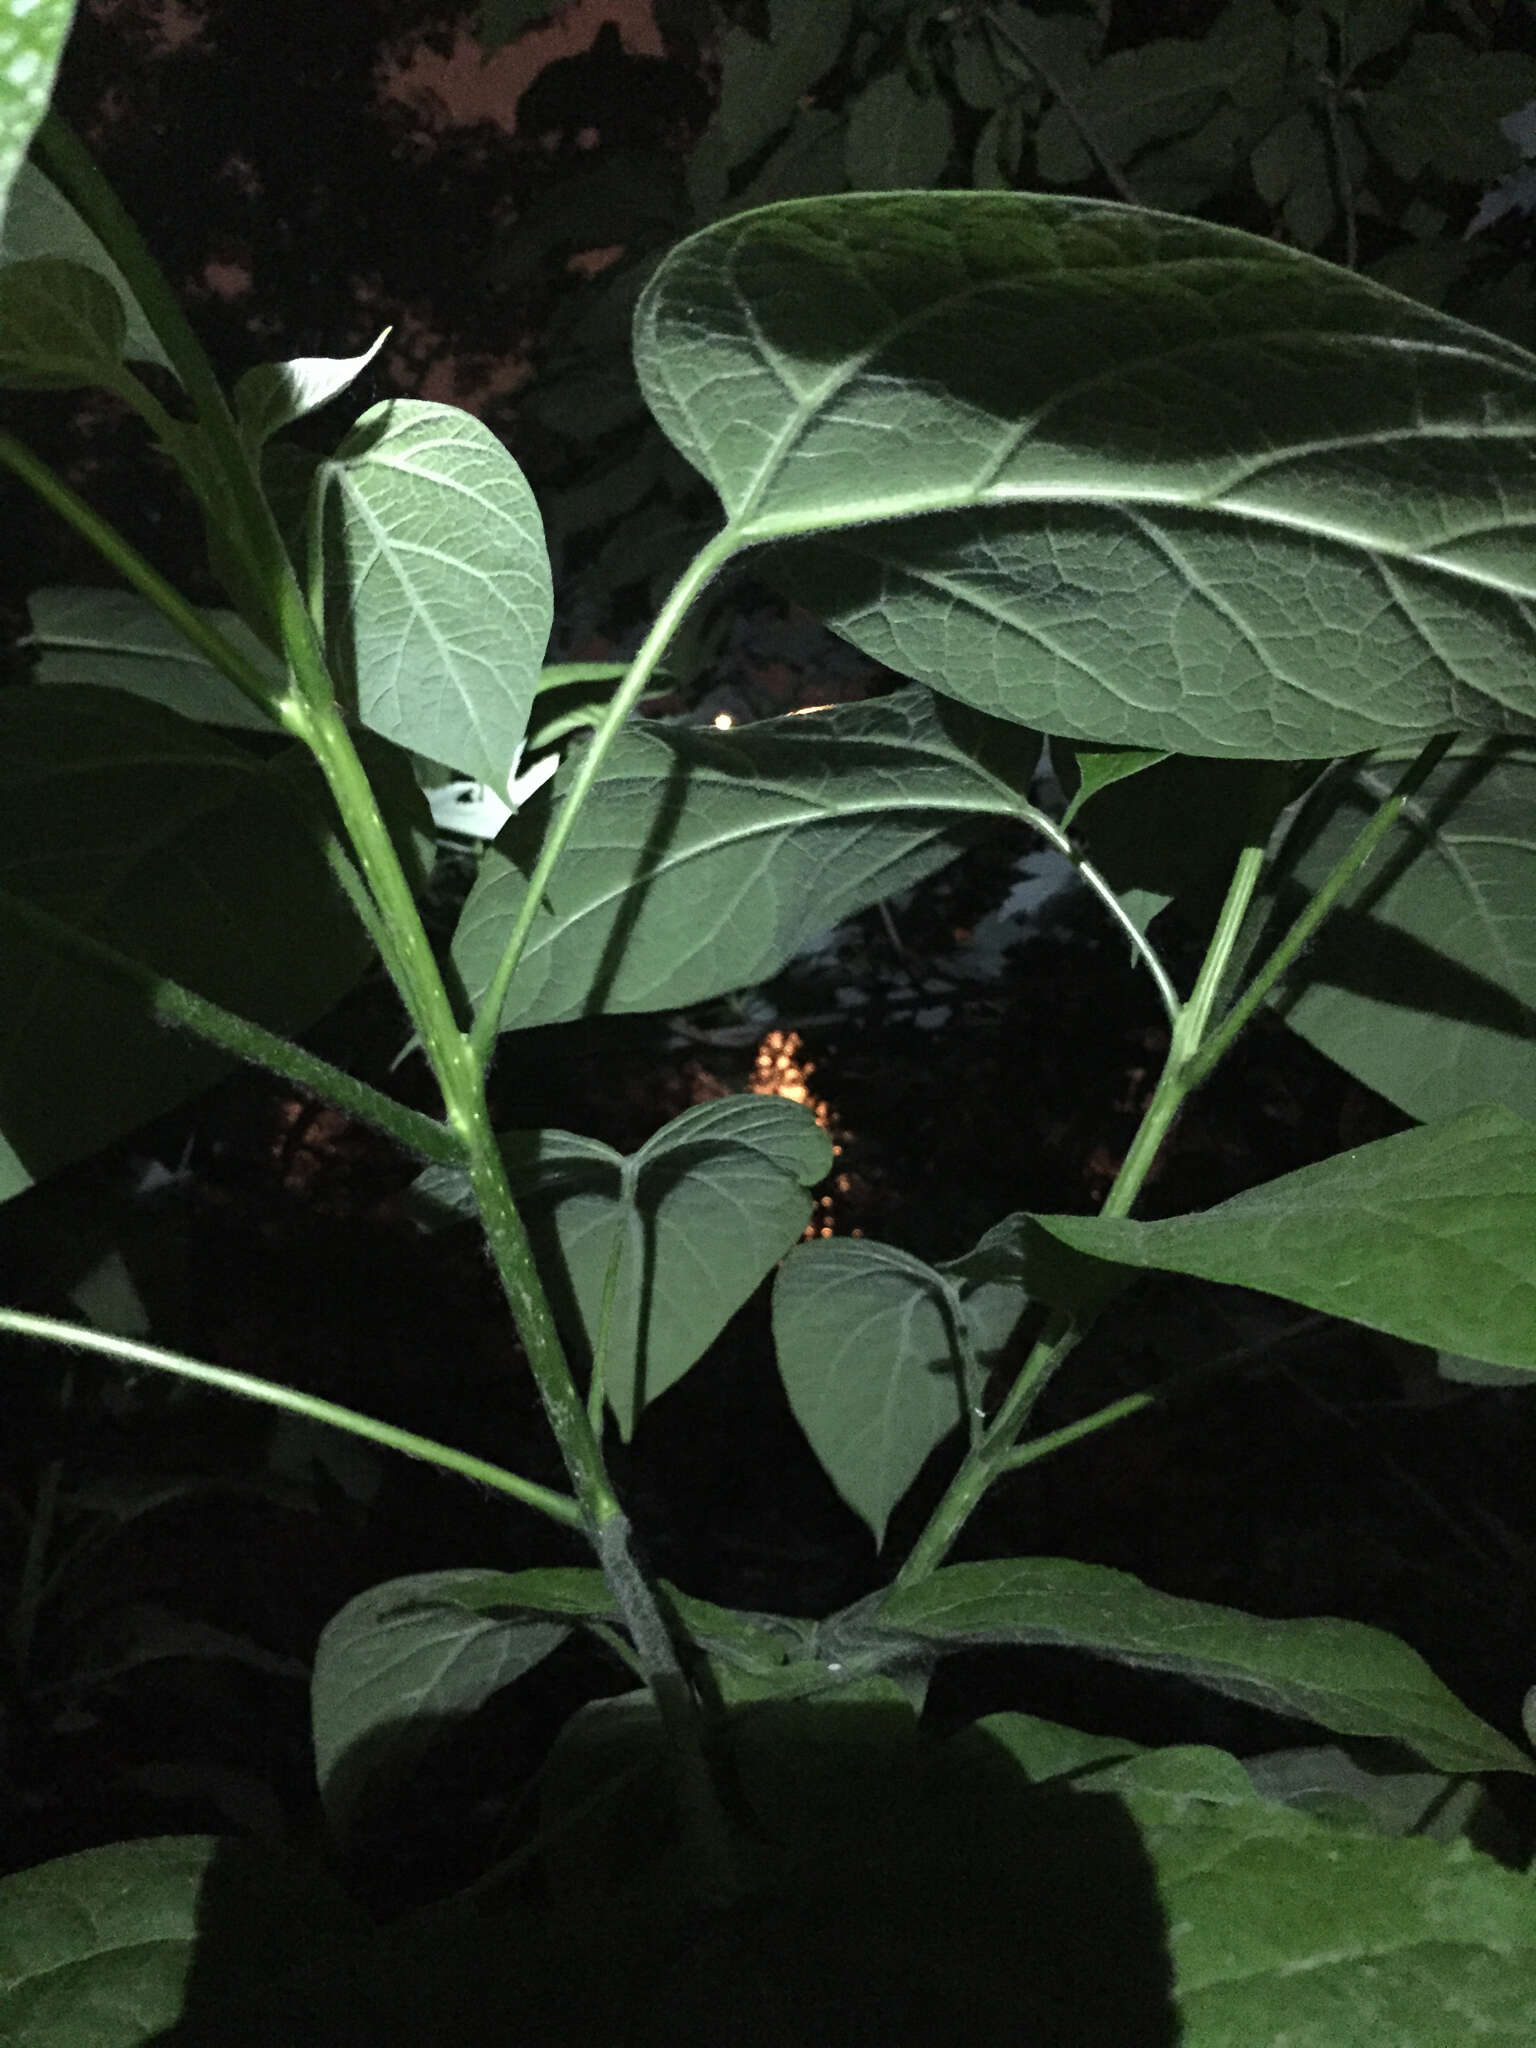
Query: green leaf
point(32, 40)
point(438, 603)
point(396, 1669)
point(1094, 768)
point(117, 640)
point(502, 21)
point(808, 158)
point(112, 1947)
point(273, 395)
point(1427, 1236)
point(1293, 173)
point(897, 136)
point(703, 860)
point(762, 82)
point(1369, 28)
point(882, 1355)
point(1156, 531)
point(60, 326)
point(1424, 985)
point(180, 849)
point(1344, 1676)
point(1440, 111)
point(686, 1227)
point(41, 222)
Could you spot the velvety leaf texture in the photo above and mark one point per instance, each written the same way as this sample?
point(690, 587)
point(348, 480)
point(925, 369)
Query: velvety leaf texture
point(31, 42)
point(1133, 479)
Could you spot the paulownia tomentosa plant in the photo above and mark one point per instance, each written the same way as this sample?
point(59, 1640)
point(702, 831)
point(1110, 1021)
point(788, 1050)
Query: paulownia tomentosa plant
point(1211, 515)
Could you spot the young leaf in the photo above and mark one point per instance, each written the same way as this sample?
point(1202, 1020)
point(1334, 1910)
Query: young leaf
point(694, 1219)
point(105, 1946)
point(396, 1668)
point(703, 860)
point(273, 395)
point(1427, 1236)
point(60, 326)
point(1424, 986)
point(1094, 768)
point(1344, 1676)
point(32, 40)
point(1122, 530)
point(118, 640)
point(438, 602)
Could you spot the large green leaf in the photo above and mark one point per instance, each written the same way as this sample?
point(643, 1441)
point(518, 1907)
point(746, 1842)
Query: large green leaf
point(882, 1355)
point(438, 598)
point(112, 1947)
point(1133, 479)
point(60, 326)
point(32, 39)
point(1344, 1676)
point(683, 1229)
point(1424, 986)
point(763, 80)
point(182, 850)
point(397, 1669)
point(1428, 1236)
point(703, 860)
point(41, 222)
point(117, 639)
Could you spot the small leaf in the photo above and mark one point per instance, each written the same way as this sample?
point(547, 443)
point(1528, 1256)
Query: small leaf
point(396, 1669)
point(273, 395)
point(103, 1949)
point(41, 222)
point(694, 1220)
point(1344, 1676)
point(118, 640)
point(1424, 985)
point(438, 601)
point(1094, 768)
point(1427, 1236)
point(703, 860)
point(32, 40)
point(60, 326)
point(897, 136)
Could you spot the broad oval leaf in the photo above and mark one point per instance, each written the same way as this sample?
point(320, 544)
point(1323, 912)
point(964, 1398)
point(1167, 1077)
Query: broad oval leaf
point(60, 326)
point(183, 851)
point(1423, 985)
point(1134, 479)
point(1341, 1674)
point(703, 860)
point(684, 1228)
point(105, 1947)
point(31, 42)
point(1427, 1236)
point(397, 1668)
point(897, 136)
point(438, 595)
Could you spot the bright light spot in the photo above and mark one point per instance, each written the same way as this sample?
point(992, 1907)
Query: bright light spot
point(805, 710)
point(723, 721)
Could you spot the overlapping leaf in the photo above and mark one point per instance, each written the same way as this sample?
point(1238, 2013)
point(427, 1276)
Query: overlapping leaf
point(117, 639)
point(438, 601)
point(41, 222)
point(1424, 986)
point(703, 860)
point(1344, 1676)
point(1264, 508)
point(31, 42)
point(1427, 1236)
point(680, 1231)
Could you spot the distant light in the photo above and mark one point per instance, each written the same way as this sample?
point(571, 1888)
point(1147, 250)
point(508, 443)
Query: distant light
point(805, 710)
point(723, 721)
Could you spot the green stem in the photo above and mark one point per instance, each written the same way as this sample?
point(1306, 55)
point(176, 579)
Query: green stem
point(172, 1004)
point(147, 580)
point(129, 1351)
point(1322, 902)
point(705, 565)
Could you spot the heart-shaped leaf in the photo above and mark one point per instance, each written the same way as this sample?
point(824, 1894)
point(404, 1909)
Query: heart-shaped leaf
point(438, 597)
point(1263, 508)
point(1427, 1236)
point(680, 1231)
point(397, 1668)
point(1424, 985)
point(703, 860)
point(1341, 1674)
